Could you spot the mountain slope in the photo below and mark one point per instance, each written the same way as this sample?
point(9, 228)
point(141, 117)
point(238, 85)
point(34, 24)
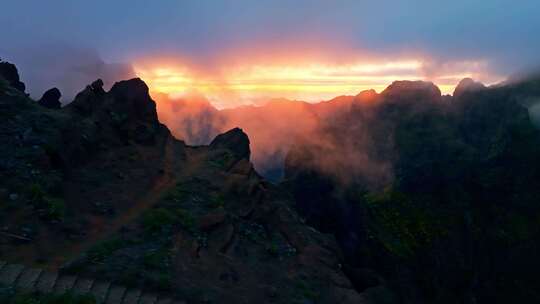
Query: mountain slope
point(100, 189)
point(434, 197)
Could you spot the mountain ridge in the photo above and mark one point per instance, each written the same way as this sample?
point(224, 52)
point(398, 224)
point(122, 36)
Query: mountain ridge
point(101, 189)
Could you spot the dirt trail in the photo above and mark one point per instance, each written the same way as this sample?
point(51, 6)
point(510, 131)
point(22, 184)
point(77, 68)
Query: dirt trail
point(172, 173)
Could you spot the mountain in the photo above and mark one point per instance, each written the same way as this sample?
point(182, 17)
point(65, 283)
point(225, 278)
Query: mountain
point(100, 191)
point(433, 198)
point(403, 196)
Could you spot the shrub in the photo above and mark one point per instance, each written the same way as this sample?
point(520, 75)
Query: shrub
point(186, 220)
point(158, 259)
point(53, 208)
point(222, 160)
point(56, 208)
point(156, 220)
point(36, 193)
point(176, 195)
point(306, 290)
point(401, 224)
point(104, 249)
point(216, 201)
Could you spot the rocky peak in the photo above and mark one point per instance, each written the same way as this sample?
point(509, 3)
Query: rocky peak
point(131, 97)
point(97, 87)
point(467, 85)
point(412, 91)
point(367, 96)
point(128, 98)
point(124, 113)
point(234, 140)
point(9, 72)
point(87, 100)
point(51, 99)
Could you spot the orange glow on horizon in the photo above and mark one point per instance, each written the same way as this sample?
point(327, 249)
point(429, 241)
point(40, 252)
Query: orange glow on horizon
point(249, 84)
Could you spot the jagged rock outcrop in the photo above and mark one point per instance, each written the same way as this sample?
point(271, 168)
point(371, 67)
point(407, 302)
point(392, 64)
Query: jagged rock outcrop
point(234, 140)
point(467, 85)
point(132, 98)
point(125, 113)
point(412, 91)
point(90, 98)
point(367, 96)
point(51, 99)
point(9, 72)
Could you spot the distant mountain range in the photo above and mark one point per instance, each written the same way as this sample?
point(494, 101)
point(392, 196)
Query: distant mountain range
point(274, 126)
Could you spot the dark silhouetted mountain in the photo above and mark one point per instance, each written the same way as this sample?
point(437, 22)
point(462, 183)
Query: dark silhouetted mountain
point(455, 217)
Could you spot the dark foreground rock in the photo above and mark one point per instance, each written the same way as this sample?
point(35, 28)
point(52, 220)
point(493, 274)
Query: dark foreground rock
point(51, 99)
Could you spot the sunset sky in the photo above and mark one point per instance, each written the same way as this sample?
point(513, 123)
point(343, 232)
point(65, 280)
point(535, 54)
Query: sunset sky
point(237, 52)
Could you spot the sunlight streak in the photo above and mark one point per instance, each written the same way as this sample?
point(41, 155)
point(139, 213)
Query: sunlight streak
point(238, 85)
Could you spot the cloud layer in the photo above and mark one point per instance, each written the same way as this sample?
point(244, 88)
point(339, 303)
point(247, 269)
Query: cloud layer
point(495, 36)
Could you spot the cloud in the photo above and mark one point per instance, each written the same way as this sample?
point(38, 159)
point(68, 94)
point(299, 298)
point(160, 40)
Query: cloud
point(69, 68)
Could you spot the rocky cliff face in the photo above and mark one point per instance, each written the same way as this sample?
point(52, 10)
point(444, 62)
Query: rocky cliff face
point(462, 197)
point(99, 189)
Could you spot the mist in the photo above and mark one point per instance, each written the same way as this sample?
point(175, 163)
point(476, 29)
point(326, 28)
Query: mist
point(276, 127)
point(67, 67)
point(349, 137)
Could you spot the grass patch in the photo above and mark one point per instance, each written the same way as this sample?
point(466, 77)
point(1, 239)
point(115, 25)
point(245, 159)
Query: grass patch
point(51, 208)
point(162, 219)
point(156, 220)
point(222, 160)
point(216, 201)
point(36, 194)
point(55, 209)
point(401, 224)
point(306, 291)
point(158, 259)
point(106, 248)
point(177, 195)
point(186, 219)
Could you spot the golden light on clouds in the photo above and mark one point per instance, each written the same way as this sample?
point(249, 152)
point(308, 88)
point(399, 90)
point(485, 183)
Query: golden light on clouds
point(248, 84)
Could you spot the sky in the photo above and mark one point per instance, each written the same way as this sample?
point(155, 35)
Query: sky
point(246, 51)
